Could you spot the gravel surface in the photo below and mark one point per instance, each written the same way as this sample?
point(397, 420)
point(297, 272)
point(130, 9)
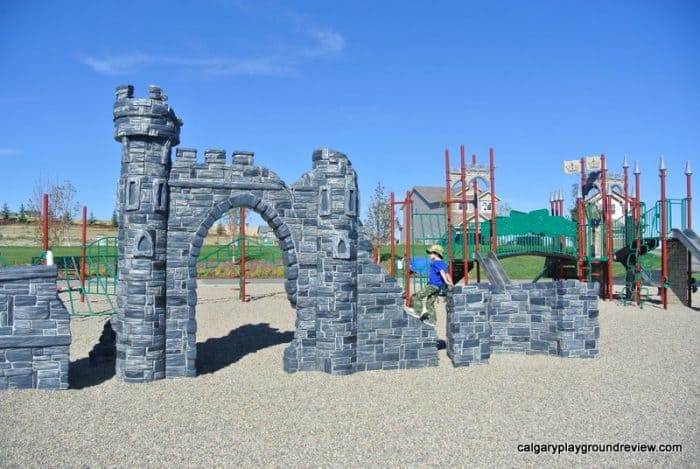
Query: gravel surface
point(244, 410)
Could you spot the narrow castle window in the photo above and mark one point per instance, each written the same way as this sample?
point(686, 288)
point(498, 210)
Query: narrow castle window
point(350, 202)
point(160, 198)
point(325, 201)
point(133, 189)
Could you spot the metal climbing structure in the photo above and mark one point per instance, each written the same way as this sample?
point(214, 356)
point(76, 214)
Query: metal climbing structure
point(608, 224)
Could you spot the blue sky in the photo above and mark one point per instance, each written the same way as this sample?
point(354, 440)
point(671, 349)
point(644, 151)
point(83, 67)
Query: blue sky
point(390, 83)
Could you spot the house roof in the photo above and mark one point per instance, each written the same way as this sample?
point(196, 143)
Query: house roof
point(436, 194)
point(431, 194)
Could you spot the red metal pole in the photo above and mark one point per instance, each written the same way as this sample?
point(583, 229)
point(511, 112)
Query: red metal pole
point(45, 222)
point(581, 215)
point(689, 225)
point(407, 257)
point(465, 225)
point(664, 241)
point(448, 208)
point(607, 221)
point(584, 221)
point(492, 184)
point(551, 203)
point(477, 220)
point(83, 241)
point(637, 233)
point(243, 256)
point(392, 245)
point(625, 175)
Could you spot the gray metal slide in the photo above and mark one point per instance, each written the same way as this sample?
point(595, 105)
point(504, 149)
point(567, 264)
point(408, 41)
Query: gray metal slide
point(493, 268)
point(689, 239)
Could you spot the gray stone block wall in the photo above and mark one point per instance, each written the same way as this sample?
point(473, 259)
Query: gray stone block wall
point(34, 329)
point(388, 338)
point(679, 291)
point(554, 318)
point(168, 206)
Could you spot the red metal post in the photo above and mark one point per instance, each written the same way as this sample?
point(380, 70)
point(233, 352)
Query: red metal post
point(83, 242)
point(45, 222)
point(448, 208)
point(477, 220)
point(584, 221)
point(689, 225)
point(607, 221)
point(492, 184)
point(407, 257)
point(551, 203)
point(625, 176)
point(637, 233)
point(465, 225)
point(581, 215)
point(244, 298)
point(392, 245)
point(664, 241)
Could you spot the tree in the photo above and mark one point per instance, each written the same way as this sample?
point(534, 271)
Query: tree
point(22, 216)
point(115, 220)
point(232, 220)
point(5, 211)
point(503, 209)
point(63, 207)
point(377, 223)
point(91, 219)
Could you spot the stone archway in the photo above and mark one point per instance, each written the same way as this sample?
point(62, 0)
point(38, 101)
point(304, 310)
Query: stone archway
point(181, 321)
point(349, 310)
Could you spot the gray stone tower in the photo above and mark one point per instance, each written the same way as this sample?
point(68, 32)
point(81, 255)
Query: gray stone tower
point(147, 130)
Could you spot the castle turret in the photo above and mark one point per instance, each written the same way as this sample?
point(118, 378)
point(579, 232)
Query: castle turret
point(147, 129)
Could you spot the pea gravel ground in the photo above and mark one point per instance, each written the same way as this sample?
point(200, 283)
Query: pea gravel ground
point(243, 410)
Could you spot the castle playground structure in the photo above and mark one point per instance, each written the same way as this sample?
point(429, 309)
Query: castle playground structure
point(349, 310)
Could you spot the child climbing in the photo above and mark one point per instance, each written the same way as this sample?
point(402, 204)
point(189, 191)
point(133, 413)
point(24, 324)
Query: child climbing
point(438, 277)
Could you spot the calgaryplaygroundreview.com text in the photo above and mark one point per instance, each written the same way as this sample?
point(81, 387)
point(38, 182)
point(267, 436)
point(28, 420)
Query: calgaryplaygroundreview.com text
point(586, 448)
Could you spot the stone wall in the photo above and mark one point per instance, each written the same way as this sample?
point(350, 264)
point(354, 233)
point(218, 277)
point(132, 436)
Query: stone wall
point(679, 291)
point(349, 312)
point(554, 318)
point(34, 329)
point(387, 338)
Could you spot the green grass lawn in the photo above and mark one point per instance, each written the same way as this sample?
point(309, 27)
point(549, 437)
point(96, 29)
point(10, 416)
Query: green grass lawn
point(22, 255)
point(521, 267)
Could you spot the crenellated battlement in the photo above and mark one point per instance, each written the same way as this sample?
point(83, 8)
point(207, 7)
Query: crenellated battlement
point(150, 117)
point(218, 168)
point(331, 161)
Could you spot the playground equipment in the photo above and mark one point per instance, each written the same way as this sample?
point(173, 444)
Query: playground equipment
point(91, 274)
point(349, 310)
point(238, 252)
point(607, 225)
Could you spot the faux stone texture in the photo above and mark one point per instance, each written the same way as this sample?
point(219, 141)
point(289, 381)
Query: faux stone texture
point(349, 311)
point(552, 318)
point(34, 329)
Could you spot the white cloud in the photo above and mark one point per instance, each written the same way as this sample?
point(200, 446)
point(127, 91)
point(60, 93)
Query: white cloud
point(326, 44)
point(8, 152)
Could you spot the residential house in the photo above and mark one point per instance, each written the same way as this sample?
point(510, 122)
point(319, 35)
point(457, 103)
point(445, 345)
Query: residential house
point(429, 217)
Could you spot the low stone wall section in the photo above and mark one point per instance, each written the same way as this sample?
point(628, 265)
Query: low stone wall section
point(551, 318)
point(34, 329)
